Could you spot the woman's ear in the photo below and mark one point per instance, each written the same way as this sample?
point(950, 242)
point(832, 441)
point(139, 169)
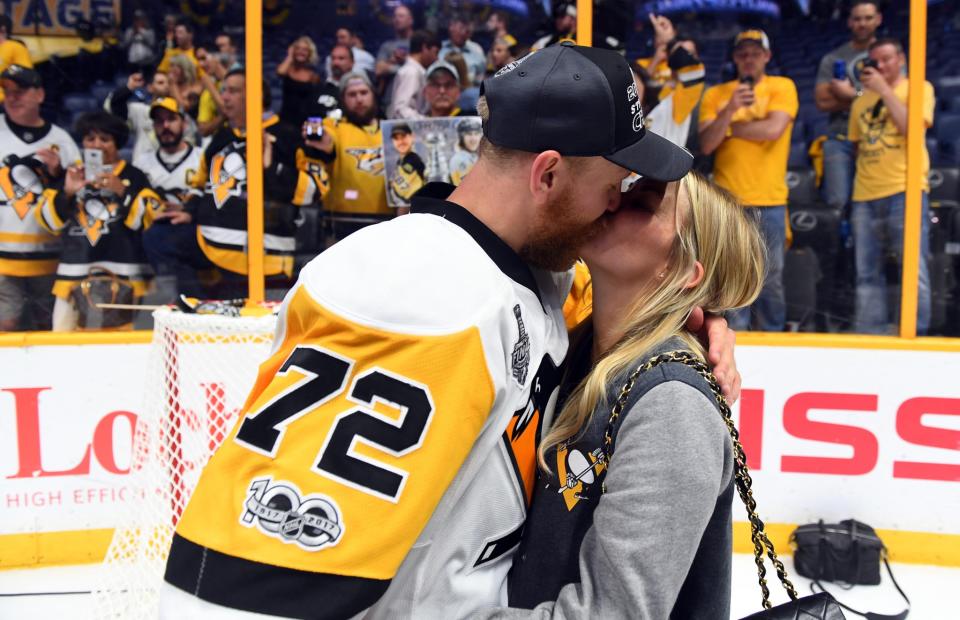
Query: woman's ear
point(696, 277)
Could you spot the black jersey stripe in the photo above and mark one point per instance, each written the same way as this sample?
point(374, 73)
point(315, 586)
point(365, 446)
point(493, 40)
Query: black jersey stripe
point(263, 588)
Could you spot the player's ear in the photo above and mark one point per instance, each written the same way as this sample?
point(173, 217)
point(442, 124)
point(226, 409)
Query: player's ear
point(543, 174)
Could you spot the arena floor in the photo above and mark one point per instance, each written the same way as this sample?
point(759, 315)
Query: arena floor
point(933, 590)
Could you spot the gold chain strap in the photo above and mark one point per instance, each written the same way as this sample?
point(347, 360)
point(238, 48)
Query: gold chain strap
point(742, 479)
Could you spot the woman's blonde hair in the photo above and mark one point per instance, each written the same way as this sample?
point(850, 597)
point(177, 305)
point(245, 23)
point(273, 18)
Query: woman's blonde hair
point(186, 66)
point(314, 55)
point(714, 230)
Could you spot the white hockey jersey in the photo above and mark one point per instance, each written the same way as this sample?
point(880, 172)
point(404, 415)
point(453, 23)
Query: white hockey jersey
point(171, 179)
point(25, 248)
point(384, 461)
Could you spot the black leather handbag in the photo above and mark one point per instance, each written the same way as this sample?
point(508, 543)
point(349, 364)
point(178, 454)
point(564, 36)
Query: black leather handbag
point(849, 553)
point(818, 606)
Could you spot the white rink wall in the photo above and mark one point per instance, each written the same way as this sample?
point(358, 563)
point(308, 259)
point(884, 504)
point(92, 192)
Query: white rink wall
point(831, 433)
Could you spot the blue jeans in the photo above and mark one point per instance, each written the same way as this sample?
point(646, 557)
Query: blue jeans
point(877, 232)
point(839, 164)
point(769, 311)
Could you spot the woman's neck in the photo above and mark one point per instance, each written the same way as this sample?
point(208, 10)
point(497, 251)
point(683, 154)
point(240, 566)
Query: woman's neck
point(612, 299)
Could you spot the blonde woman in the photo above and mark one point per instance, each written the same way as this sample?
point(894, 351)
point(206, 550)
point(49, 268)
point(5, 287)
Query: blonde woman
point(646, 534)
point(300, 80)
point(185, 86)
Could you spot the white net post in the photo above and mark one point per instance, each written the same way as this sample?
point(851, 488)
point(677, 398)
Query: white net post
point(200, 371)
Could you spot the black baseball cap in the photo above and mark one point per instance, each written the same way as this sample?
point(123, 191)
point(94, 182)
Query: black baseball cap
point(580, 102)
point(400, 128)
point(22, 76)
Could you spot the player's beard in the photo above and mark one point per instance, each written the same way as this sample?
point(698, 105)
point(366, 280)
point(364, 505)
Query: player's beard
point(555, 242)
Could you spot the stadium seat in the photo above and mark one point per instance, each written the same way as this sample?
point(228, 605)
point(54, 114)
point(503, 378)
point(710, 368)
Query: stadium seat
point(945, 187)
point(801, 273)
point(798, 155)
point(802, 184)
point(933, 148)
point(79, 103)
point(799, 131)
point(100, 91)
point(949, 152)
point(818, 127)
point(947, 127)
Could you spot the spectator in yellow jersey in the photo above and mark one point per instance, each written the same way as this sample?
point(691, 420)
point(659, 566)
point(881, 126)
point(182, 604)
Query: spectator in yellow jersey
point(352, 151)
point(210, 117)
point(747, 123)
point(878, 127)
point(182, 45)
point(12, 52)
point(185, 84)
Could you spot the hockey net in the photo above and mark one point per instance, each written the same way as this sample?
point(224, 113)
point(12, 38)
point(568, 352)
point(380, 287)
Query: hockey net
point(200, 371)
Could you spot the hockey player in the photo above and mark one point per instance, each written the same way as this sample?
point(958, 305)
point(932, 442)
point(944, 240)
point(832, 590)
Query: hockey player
point(410, 174)
point(100, 216)
point(382, 465)
point(219, 206)
point(35, 153)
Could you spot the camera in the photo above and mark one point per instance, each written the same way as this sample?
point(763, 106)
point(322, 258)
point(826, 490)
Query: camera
point(871, 64)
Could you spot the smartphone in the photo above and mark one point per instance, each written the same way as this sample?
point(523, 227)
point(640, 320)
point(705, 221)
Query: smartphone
point(92, 163)
point(314, 126)
point(839, 69)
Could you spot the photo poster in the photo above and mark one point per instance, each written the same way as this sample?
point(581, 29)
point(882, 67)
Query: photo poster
point(417, 152)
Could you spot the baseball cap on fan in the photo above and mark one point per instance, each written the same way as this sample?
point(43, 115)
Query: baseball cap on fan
point(580, 102)
point(757, 37)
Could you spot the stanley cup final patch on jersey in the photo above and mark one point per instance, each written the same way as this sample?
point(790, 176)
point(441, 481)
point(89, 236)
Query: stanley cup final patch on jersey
point(521, 350)
point(277, 509)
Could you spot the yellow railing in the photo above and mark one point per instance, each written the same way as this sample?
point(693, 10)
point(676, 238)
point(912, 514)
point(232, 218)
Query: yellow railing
point(254, 75)
point(915, 144)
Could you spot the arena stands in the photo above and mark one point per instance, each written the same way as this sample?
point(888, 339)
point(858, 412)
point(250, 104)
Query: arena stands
point(821, 262)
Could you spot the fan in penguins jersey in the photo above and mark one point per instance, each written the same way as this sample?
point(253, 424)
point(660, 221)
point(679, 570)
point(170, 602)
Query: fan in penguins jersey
point(35, 153)
point(384, 461)
point(100, 219)
point(172, 170)
point(219, 204)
